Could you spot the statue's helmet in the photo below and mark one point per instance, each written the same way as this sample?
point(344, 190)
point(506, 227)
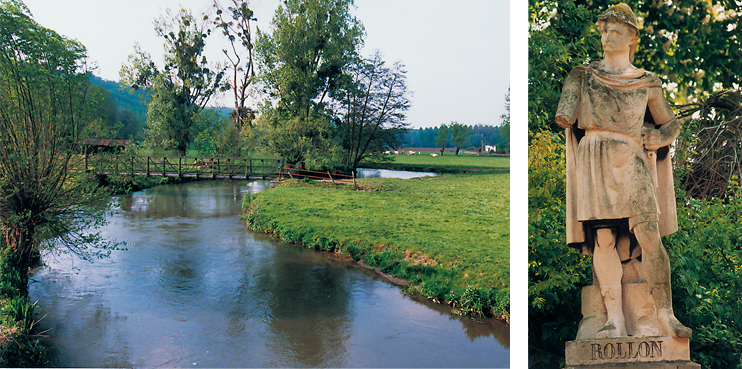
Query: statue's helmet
point(622, 13)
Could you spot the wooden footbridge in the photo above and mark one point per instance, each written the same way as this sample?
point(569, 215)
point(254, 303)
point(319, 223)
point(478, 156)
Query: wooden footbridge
point(190, 167)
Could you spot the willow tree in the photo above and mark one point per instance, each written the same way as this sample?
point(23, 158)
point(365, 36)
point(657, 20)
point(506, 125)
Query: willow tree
point(43, 108)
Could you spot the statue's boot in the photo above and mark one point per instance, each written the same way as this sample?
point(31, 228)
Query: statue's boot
point(615, 326)
point(668, 324)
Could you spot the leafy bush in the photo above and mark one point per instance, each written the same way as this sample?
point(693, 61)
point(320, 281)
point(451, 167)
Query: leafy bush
point(706, 255)
point(556, 273)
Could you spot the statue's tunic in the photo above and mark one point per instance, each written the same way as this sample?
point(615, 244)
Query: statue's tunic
point(611, 179)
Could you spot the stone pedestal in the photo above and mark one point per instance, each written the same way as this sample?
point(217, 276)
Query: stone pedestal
point(629, 352)
point(643, 349)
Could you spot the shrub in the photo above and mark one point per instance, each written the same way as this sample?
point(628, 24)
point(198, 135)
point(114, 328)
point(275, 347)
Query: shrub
point(706, 255)
point(556, 273)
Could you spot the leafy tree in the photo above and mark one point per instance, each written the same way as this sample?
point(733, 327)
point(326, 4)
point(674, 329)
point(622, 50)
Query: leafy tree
point(505, 127)
point(239, 33)
point(43, 112)
point(219, 136)
point(104, 114)
point(442, 138)
point(459, 135)
point(183, 87)
point(300, 65)
point(125, 99)
point(371, 109)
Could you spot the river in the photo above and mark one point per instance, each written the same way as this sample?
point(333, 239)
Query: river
point(195, 288)
point(388, 173)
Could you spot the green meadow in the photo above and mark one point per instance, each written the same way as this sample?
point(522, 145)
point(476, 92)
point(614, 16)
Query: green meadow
point(447, 235)
point(448, 163)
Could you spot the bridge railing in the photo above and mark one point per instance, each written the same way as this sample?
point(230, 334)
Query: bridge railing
point(188, 166)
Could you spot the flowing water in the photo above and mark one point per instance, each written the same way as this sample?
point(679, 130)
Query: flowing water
point(195, 288)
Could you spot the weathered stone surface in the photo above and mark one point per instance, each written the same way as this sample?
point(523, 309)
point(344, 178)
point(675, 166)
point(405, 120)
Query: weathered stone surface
point(620, 195)
point(627, 350)
point(664, 365)
point(638, 307)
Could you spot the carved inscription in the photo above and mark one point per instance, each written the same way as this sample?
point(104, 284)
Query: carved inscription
point(626, 350)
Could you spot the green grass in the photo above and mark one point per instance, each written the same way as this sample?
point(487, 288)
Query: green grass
point(461, 222)
point(447, 163)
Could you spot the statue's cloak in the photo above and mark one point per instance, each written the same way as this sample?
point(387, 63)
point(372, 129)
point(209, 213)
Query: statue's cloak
point(612, 180)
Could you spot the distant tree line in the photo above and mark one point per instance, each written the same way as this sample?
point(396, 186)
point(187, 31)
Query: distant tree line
point(479, 136)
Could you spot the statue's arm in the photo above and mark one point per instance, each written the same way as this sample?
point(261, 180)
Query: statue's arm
point(670, 127)
point(569, 101)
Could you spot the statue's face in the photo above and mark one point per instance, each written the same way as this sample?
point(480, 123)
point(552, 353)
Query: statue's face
point(616, 37)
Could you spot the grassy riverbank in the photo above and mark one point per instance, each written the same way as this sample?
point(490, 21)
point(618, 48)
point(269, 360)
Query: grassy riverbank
point(447, 235)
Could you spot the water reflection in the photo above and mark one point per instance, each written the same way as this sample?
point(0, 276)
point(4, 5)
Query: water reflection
point(195, 288)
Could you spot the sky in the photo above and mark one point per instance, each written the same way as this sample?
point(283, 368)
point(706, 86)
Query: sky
point(456, 56)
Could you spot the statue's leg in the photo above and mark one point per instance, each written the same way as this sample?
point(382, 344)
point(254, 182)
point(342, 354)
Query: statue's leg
point(608, 271)
point(656, 266)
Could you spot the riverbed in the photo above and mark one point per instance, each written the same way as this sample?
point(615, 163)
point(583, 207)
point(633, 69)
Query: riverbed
point(195, 288)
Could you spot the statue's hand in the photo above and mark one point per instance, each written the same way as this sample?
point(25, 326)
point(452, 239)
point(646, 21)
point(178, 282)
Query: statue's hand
point(652, 138)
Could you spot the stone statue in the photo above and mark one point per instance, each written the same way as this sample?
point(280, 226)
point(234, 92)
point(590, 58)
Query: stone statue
point(620, 196)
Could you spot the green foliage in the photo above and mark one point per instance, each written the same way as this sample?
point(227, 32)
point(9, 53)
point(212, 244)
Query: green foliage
point(459, 135)
point(556, 272)
point(305, 141)
point(706, 255)
point(505, 130)
point(425, 137)
point(706, 159)
point(218, 136)
point(180, 91)
point(44, 105)
point(301, 63)
point(555, 46)
point(442, 137)
point(441, 244)
point(129, 103)
point(18, 346)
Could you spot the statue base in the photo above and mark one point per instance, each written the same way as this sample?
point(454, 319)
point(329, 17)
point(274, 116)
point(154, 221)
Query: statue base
point(644, 348)
point(623, 352)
